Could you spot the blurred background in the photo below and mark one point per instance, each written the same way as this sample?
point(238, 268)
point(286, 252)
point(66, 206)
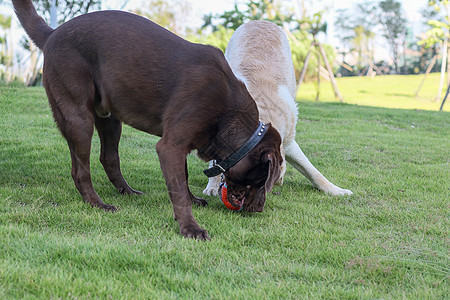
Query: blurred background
point(360, 38)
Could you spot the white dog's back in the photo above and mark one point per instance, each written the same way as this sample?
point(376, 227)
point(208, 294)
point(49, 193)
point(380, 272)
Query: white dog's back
point(260, 56)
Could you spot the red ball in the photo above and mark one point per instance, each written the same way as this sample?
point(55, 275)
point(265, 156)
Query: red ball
point(224, 198)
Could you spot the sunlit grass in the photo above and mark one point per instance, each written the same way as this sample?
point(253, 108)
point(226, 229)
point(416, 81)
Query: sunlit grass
point(393, 91)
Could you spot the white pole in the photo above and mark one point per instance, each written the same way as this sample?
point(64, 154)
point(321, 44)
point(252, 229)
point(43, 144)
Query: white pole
point(444, 61)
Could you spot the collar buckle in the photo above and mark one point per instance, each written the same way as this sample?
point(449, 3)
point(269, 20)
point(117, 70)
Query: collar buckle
point(226, 164)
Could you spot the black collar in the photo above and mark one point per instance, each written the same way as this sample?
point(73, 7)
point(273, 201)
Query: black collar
point(224, 165)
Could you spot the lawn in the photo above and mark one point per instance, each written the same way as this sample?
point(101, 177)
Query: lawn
point(389, 240)
point(393, 91)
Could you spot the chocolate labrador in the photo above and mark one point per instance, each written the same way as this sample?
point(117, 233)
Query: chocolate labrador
point(105, 68)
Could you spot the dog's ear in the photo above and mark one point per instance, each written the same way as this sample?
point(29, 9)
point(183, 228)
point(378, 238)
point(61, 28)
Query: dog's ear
point(274, 172)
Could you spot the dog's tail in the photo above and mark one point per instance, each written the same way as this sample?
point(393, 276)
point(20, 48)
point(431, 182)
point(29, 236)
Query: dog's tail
point(34, 25)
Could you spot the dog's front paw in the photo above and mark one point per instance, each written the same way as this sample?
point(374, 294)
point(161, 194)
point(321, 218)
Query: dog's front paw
point(337, 191)
point(211, 191)
point(195, 232)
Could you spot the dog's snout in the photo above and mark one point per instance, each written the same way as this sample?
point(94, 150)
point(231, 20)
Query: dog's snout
point(238, 193)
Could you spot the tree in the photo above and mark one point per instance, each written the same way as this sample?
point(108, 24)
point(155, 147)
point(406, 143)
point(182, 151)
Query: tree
point(67, 9)
point(314, 25)
point(439, 33)
point(6, 58)
point(218, 38)
point(252, 10)
point(301, 32)
point(394, 27)
point(428, 50)
point(166, 14)
point(223, 25)
point(356, 30)
point(344, 27)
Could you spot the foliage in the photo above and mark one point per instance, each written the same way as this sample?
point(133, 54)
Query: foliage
point(231, 19)
point(387, 241)
point(300, 42)
point(168, 14)
point(6, 58)
point(305, 39)
point(269, 10)
point(300, 38)
point(218, 38)
point(439, 27)
point(356, 28)
point(427, 50)
point(419, 63)
point(314, 24)
point(436, 34)
point(5, 24)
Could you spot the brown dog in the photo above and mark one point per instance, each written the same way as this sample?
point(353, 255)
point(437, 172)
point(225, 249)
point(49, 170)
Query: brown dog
point(105, 68)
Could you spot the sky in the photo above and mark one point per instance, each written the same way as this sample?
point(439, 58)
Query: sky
point(198, 8)
point(201, 7)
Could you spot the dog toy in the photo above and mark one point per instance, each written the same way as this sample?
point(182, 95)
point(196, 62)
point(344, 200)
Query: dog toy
point(224, 198)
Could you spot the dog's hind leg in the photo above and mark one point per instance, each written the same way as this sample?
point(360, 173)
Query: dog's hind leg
point(109, 130)
point(296, 157)
point(78, 133)
point(75, 119)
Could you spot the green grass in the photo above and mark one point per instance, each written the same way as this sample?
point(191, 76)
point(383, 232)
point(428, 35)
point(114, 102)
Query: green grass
point(393, 91)
point(387, 241)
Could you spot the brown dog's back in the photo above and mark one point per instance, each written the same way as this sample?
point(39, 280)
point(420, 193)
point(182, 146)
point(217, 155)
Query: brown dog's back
point(161, 66)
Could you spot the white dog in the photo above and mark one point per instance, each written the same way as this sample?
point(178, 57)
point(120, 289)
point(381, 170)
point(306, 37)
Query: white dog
point(260, 56)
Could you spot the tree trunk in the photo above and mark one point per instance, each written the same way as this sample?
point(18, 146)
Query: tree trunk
point(33, 69)
point(430, 67)
point(405, 71)
point(447, 9)
point(318, 75)
point(448, 66)
point(337, 94)
point(396, 59)
point(303, 73)
point(444, 61)
point(10, 54)
point(445, 98)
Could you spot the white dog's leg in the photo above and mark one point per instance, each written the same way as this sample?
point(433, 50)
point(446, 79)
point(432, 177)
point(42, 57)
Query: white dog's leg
point(296, 157)
point(212, 189)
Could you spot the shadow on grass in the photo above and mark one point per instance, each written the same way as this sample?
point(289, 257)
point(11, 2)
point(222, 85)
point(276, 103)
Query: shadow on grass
point(399, 95)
